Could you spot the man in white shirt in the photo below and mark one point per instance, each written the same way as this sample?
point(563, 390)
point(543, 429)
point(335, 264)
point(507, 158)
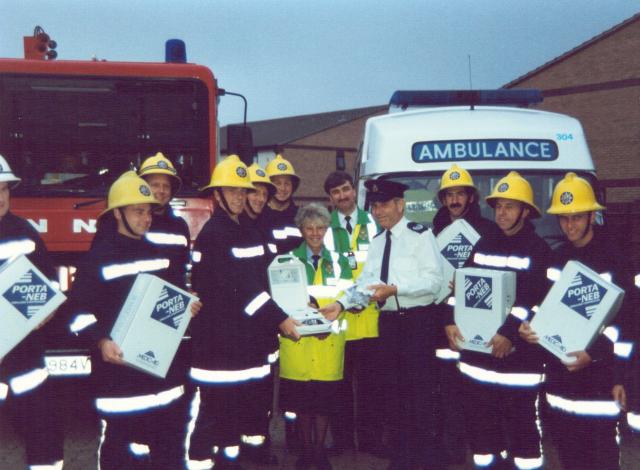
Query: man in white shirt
point(404, 256)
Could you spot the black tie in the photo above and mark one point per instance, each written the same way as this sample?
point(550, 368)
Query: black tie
point(384, 272)
point(315, 258)
point(348, 225)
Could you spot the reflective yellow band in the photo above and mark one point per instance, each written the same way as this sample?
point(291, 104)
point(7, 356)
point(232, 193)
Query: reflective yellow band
point(447, 354)
point(529, 463)
point(514, 379)
point(229, 376)
point(25, 382)
point(584, 407)
point(139, 403)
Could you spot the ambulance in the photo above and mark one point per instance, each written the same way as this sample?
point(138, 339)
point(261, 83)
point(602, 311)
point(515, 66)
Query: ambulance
point(487, 132)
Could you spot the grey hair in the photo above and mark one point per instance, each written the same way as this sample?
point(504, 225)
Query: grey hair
point(312, 211)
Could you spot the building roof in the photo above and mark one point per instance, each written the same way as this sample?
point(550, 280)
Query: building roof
point(574, 51)
point(273, 132)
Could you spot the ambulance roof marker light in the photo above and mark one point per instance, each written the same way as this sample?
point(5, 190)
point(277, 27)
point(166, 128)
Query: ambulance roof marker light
point(501, 97)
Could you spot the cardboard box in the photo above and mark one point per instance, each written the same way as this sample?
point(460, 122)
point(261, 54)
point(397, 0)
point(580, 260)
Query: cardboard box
point(576, 309)
point(288, 284)
point(455, 243)
point(27, 297)
point(151, 324)
point(484, 298)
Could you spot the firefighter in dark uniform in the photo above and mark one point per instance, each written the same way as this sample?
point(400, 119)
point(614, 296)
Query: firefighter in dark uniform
point(168, 231)
point(256, 443)
point(406, 259)
point(584, 415)
point(280, 212)
point(460, 200)
point(25, 386)
point(501, 388)
point(136, 408)
point(230, 355)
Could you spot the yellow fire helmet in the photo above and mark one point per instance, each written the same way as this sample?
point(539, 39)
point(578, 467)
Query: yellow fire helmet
point(455, 177)
point(161, 165)
point(6, 174)
point(127, 190)
point(280, 166)
point(230, 173)
point(258, 176)
point(572, 195)
point(515, 187)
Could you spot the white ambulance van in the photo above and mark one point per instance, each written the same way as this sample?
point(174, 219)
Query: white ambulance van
point(487, 132)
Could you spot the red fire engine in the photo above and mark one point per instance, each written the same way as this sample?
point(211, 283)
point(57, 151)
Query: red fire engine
point(69, 128)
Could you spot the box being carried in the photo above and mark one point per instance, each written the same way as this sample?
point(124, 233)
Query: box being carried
point(484, 298)
point(151, 324)
point(288, 283)
point(575, 310)
point(455, 243)
point(27, 297)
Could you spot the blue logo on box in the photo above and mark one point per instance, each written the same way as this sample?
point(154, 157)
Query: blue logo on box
point(170, 307)
point(149, 358)
point(556, 340)
point(29, 293)
point(584, 295)
point(477, 292)
point(457, 251)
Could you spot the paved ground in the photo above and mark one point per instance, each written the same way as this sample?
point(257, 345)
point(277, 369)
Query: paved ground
point(82, 442)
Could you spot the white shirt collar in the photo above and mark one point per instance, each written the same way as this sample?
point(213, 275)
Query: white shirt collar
point(353, 215)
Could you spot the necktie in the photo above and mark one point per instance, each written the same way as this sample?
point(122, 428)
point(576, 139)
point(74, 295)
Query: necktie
point(316, 259)
point(384, 271)
point(348, 225)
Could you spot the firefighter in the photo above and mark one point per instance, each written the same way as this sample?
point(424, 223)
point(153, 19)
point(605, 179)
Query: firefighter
point(135, 407)
point(168, 231)
point(25, 386)
point(350, 234)
point(280, 211)
point(311, 369)
point(584, 416)
point(501, 388)
point(256, 442)
point(230, 357)
point(405, 257)
point(460, 200)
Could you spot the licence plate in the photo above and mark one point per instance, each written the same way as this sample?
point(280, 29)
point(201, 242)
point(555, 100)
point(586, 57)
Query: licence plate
point(68, 365)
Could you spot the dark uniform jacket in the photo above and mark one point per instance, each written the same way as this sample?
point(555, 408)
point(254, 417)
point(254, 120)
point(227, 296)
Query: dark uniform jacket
point(102, 284)
point(238, 323)
point(596, 380)
point(14, 231)
point(170, 233)
point(485, 227)
point(280, 227)
point(531, 286)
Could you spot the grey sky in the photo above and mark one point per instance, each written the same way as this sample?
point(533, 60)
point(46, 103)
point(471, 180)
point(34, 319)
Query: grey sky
point(292, 57)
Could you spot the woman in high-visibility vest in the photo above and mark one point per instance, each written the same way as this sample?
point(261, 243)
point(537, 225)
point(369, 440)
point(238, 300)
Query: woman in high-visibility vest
point(311, 369)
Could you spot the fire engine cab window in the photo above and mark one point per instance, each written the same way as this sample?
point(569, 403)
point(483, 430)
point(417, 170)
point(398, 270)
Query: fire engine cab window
point(70, 135)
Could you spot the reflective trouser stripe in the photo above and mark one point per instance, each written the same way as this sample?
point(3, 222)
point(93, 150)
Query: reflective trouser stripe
point(483, 460)
point(290, 416)
point(4, 391)
point(54, 466)
point(139, 449)
point(584, 407)
point(232, 452)
point(229, 376)
point(25, 382)
point(447, 354)
point(633, 419)
point(501, 378)
point(528, 463)
point(140, 402)
point(199, 464)
point(273, 357)
point(254, 441)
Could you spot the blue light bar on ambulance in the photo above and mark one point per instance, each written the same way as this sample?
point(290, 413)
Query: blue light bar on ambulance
point(503, 97)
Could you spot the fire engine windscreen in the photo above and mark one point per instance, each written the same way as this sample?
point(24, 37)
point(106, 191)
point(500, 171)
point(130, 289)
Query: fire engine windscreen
point(69, 135)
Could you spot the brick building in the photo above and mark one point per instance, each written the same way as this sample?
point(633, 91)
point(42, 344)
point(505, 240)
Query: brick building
point(598, 82)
